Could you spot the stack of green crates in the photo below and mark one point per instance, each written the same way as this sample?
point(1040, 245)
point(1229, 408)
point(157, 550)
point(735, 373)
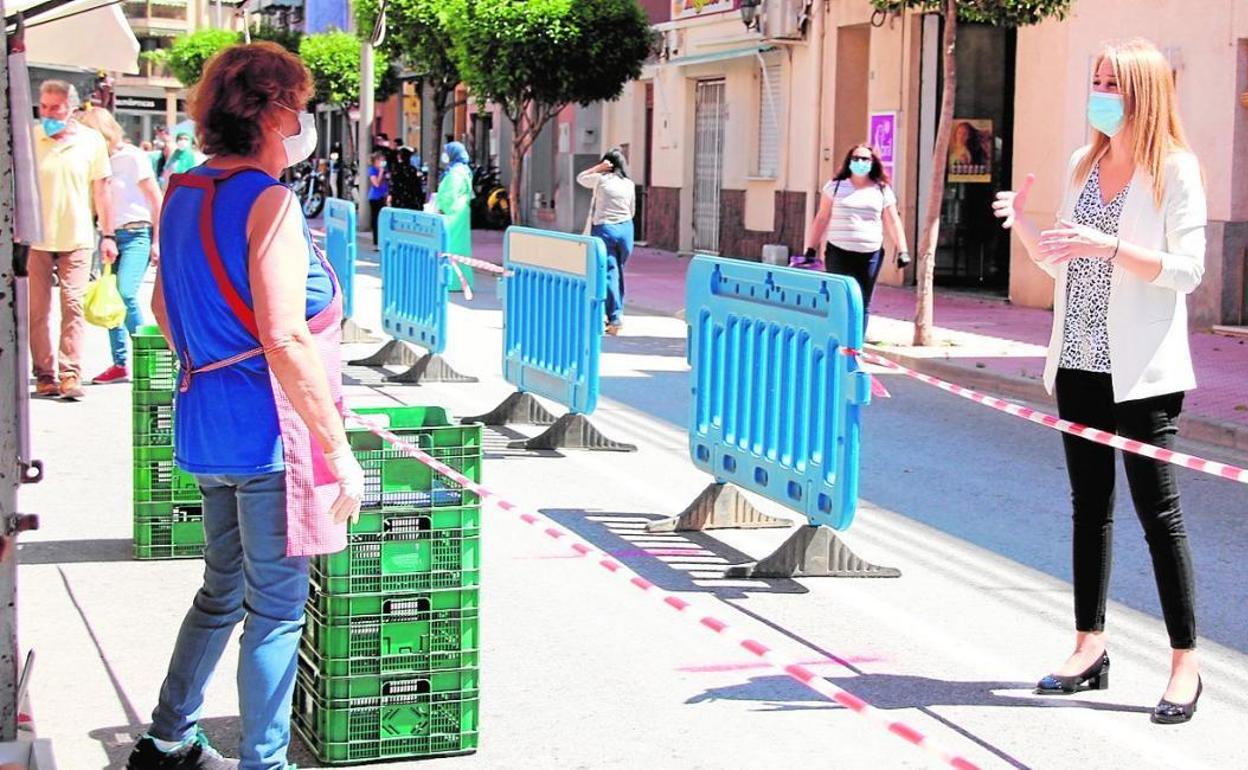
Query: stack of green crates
point(389, 662)
point(168, 507)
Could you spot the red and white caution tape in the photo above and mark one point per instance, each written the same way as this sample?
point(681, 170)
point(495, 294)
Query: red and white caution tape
point(480, 264)
point(791, 668)
point(1221, 470)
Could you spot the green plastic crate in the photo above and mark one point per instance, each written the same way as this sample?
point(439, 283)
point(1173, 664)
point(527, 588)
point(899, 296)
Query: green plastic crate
point(434, 630)
point(333, 689)
point(403, 550)
point(153, 425)
point(392, 478)
point(179, 536)
point(158, 480)
point(148, 337)
point(399, 725)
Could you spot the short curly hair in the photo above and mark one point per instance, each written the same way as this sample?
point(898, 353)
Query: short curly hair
point(237, 86)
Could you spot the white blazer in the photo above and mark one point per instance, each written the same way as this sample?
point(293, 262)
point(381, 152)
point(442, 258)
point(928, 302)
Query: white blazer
point(1148, 345)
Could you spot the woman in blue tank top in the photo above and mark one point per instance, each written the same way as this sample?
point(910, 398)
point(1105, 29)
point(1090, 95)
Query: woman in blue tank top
point(252, 310)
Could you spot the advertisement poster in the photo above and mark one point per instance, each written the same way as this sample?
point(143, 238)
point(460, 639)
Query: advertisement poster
point(971, 151)
point(684, 9)
point(882, 135)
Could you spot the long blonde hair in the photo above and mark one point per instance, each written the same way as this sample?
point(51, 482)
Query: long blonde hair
point(1150, 110)
point(101, 120)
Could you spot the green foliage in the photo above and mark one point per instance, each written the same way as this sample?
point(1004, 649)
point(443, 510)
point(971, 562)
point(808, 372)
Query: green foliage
point(334, 60)
point(1001, 13)
point(189, 53)
point(416, 38)
point(546, 54)
point(286, 38)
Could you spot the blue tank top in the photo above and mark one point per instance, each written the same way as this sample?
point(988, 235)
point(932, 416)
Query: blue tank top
point(226, 423)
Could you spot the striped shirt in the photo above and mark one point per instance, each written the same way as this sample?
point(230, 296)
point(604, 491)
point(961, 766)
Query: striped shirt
point(857, 222)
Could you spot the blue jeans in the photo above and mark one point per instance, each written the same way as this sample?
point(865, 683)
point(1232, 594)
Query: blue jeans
point(134, 255)
point(619, 241)
point(246, 575)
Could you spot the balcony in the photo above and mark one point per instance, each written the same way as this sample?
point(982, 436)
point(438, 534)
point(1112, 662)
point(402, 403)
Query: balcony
point(157, 17)
point(151, 74)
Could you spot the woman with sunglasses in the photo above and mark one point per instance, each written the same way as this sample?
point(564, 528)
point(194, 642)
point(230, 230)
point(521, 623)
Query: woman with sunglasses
point(856, 207)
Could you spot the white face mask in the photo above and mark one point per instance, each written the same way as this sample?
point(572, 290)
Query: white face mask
point(300, 146)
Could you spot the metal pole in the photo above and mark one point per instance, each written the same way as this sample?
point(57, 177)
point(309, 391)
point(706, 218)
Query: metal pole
point(364, 135)
point(11, 378)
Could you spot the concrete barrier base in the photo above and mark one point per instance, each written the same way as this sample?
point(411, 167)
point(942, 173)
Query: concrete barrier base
point(719, 506)
point(812, 552)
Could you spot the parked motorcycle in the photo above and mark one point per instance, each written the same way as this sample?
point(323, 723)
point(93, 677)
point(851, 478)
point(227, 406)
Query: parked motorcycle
point(491, 205)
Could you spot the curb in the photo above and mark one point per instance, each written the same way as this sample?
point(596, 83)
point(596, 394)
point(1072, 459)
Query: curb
point(1204, 430)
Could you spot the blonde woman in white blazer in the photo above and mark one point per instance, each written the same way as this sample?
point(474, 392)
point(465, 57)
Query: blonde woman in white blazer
point(1128, 248)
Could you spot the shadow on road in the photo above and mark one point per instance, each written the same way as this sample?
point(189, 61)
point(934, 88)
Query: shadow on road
point(75, 551)
point(643, 561)
point(897, 691)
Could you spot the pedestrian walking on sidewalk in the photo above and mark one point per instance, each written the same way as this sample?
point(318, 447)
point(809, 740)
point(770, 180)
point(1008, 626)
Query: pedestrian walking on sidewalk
point(136, 211)
point(406, 188)
point(454, 201)
point(856, 207)
point(611, 212)
point(253, 311)
point(73, 168)
point(378, 191)
point(183, 158)
point(1128, 248)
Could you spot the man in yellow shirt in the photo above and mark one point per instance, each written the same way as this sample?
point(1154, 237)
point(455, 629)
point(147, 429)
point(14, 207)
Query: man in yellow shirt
point(73, 168)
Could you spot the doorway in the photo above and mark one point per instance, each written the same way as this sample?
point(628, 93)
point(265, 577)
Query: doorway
point(973, 251)
point(708, 164)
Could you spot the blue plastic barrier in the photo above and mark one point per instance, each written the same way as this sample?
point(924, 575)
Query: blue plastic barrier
point(340, 247)
point(553, 295)
point(776, 402)
point(415, 277)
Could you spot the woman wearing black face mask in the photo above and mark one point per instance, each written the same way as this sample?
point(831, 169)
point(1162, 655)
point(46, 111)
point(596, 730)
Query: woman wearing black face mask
point(252, 309)
point(611, 212)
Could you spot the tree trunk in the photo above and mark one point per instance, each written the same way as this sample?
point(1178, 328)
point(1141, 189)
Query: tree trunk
point(519, 129)
point(440, 96)
point(930, 230)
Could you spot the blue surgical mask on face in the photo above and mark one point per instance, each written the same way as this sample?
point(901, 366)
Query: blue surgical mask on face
point(1106, 112)
point(52, 126)
point(860, 167)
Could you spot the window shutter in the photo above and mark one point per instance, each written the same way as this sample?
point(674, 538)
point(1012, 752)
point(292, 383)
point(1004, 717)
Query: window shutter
point(770, 110)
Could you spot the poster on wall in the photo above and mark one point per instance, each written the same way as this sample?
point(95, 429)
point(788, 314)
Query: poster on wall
point(882, 135)
point(684, 9)
point(971, 151)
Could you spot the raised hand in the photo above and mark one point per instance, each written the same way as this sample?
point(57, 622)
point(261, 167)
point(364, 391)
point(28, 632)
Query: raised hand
point(1010, 204)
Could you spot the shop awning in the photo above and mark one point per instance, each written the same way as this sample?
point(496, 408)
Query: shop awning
point(81, 33)
point(714, 56)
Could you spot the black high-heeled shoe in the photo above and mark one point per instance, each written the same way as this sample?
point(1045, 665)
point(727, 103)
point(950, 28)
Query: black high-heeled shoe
point(1168, 713)
point(1095, 678)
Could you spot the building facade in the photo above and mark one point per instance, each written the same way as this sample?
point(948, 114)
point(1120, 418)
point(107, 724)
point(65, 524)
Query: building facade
point(733, 130)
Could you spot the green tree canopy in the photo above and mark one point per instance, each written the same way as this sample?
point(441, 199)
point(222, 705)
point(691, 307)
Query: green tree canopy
point(535, 57)
point(334, 60)
point(1002, 13)
point(286, 38)
point(189, 53)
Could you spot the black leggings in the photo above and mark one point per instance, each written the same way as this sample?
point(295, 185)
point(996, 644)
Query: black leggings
point(862, 266)
point(1088, 398)
point(374, 214)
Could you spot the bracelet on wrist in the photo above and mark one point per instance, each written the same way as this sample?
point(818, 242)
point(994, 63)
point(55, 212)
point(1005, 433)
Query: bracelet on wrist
point(1117, 243)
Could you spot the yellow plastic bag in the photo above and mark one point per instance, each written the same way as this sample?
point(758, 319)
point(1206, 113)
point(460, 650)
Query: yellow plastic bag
point(102, 305)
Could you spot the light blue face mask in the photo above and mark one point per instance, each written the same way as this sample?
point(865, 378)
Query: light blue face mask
point(1106, 112)
point(52, 126)
point(860, 167)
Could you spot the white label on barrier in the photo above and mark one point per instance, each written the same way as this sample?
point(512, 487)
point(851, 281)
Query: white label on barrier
point(549, 252)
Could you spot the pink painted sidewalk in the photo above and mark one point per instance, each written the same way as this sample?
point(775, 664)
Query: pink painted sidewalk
point(982, 343)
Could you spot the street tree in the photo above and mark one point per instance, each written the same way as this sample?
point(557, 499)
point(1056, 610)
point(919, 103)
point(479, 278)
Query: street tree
point(537, 57)
point(333, 58)
point(1002, 13)
point(189, 53)
point(417, 37)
